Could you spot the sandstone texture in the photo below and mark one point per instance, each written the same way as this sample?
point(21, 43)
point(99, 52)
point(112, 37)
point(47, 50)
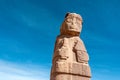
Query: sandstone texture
point(70, 59)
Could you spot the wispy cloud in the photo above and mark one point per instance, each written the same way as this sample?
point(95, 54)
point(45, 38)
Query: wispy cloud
point(14, 71)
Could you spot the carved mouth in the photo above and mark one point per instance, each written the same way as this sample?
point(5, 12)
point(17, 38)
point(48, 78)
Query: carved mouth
point(73, 28)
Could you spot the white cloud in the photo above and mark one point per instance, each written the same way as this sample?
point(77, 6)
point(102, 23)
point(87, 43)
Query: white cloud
point(13, 71)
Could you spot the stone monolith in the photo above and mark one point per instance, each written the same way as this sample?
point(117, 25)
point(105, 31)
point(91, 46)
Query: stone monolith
point(70, 59)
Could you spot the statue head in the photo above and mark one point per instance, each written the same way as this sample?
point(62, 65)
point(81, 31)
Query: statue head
point(72, 24)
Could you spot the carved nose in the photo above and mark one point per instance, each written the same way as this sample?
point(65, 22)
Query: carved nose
point(73, 22)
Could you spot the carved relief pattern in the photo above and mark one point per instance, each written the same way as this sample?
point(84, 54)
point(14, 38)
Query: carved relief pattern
point(70, 59)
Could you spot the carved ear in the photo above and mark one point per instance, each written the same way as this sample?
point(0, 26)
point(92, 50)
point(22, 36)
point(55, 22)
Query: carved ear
point(67, 14)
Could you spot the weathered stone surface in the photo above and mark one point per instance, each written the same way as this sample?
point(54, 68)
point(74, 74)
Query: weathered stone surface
point(70, 59)
point(71, 68)
point(68, 77)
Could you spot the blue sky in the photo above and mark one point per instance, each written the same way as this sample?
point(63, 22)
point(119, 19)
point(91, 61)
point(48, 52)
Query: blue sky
point(28, 29)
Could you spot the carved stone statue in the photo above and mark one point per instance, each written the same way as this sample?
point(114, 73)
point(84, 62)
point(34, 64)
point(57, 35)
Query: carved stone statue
point(70, 59)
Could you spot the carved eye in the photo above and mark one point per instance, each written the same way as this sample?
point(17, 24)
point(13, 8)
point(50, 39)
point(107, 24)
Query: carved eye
point(69, 20)
point(78, 21)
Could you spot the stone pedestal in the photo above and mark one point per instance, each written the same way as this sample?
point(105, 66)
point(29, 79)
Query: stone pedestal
point(70, 59)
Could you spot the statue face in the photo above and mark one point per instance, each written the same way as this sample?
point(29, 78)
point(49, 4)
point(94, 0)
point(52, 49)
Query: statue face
point(72, 22)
